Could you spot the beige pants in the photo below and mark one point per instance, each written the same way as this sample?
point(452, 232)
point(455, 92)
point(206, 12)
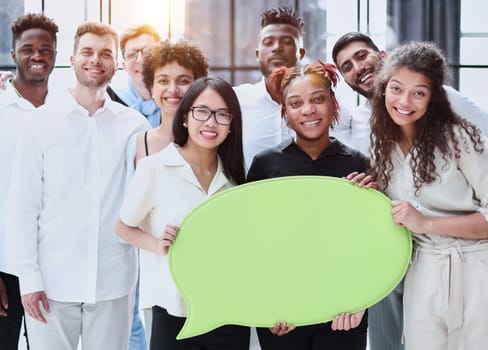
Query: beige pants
point(101, 326)
point(446, 299)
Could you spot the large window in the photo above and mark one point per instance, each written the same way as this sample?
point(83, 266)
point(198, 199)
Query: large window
point(227, 31)
point(473, 68)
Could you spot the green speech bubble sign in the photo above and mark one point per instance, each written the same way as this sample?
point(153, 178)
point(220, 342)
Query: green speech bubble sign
point(299, 249)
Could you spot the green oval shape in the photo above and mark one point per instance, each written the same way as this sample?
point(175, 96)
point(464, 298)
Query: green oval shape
point(299, 249)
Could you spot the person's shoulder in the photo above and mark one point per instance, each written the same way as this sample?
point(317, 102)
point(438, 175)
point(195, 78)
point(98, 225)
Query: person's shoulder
point(275, 151)
point(347, 150)
point(248, 88)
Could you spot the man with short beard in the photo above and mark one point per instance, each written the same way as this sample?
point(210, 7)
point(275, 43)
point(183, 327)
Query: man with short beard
point(357, 57)
point(67, 185)
point(33, 52)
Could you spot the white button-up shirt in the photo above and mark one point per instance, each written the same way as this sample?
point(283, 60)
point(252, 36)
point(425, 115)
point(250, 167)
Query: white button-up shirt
point(14, 111)
point(163, 191)
point(262, 125)
point(66, 190)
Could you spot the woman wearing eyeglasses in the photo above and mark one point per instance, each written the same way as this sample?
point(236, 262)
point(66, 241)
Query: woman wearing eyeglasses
point(206, 157)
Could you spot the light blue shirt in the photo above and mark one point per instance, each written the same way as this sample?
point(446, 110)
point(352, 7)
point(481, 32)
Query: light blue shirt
point(131, 98)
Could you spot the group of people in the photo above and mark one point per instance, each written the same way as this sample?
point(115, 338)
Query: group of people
point(98, 178)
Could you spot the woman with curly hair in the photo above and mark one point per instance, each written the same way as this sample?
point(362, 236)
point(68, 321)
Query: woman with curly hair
point(310, 108)
point(168, 70)
point(433, 163)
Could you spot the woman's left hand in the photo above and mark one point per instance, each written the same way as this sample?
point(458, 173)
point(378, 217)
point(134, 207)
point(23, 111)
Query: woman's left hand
point(345, 322)
point(404, 214)
point(362, 180)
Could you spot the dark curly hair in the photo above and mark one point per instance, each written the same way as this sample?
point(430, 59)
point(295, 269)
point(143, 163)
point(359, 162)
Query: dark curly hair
point(185, 53)
point(282, 15)
point(30, 21)
point(435, 130)
point(281, 78)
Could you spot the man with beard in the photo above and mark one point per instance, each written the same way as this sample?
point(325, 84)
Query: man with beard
point(33, 52)
point(67, 185)
point(280, 43)
point(357, 58)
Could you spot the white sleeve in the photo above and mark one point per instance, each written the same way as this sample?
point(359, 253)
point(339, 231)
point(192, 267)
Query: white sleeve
point(466, 108)
point(24, 207)
point(130, 156)
point(342, 130)
point(138, 201)
point(474, 166)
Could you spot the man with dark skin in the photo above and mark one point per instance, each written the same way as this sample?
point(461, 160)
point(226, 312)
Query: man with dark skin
point(33, 52)
point(280, 43)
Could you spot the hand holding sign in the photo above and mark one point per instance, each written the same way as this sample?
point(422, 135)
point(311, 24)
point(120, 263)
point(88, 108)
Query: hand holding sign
point(298, 249)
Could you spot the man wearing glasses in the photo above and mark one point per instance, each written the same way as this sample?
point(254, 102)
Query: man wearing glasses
point(132, 92)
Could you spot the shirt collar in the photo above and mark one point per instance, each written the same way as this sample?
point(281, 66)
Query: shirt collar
point(335, 148)
point(9, 97)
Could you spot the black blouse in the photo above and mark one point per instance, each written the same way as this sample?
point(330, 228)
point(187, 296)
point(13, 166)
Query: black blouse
point(288, 159)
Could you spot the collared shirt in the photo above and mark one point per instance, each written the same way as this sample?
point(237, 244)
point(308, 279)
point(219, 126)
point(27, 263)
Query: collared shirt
point(66, 190)
point(262, 125)
point(460, 188)
point(288, 159)
point(360, 128)
point(126, 91)
point(163, 191)
point(14, 112)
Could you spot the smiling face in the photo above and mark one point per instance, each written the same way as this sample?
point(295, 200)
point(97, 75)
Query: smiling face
point(358, 62)
point(279, 45)
point(95, 60)
point(407, 97)
point(34, 55)
point(207, 134)
point(309, 109)
point(133, 55)
point(171, 81)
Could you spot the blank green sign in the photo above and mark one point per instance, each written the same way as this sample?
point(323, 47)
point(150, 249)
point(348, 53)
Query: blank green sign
point(299, 249)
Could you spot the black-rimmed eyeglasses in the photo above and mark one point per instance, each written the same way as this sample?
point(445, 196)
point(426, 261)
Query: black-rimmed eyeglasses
point(204, 113)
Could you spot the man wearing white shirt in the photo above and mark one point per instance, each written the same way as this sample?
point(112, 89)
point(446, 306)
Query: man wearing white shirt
point(67, 185)
point(357, 58)
point(280, 43)
point(33, 52)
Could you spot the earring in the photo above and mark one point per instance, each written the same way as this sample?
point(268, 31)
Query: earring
point(184, 124)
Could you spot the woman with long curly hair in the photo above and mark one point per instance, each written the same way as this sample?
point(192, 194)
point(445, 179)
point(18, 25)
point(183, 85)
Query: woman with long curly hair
point(433, 163)
point(310, 108)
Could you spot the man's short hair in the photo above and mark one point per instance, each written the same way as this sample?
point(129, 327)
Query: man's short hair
point(31, 21)
point(351, 37)
point(135, 31)
point(282, 15)
point(96, 28)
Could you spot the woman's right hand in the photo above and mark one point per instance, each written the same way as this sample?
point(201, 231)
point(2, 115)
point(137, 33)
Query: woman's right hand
point(281, 328)
point(166, 239)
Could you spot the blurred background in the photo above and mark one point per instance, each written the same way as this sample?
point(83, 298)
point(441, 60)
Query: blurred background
point(227, 30)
